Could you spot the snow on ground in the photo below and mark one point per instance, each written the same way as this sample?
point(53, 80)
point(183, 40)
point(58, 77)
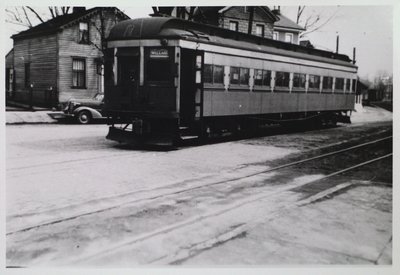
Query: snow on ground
point(370, 114)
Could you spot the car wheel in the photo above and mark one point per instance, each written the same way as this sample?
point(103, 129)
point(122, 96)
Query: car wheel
point(84, 117)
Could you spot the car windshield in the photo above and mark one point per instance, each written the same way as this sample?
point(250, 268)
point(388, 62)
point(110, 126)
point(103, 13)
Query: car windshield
point(99, 97)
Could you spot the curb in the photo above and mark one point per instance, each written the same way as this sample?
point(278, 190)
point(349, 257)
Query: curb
point(23, 117)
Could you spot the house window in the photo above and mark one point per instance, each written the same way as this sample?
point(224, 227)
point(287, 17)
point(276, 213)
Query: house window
point(299, 80)
point(262, 78)
point(213, 74)
point(289, 37)
point(260, 30)
point(78, 73)
point(27, 75)
point(327, 83)
point(83, 32)
point(282, 79)
point(233, 25)
point(275, 36)
point(314, 81)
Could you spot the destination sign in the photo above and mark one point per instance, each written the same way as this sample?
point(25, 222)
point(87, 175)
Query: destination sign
point(159, 53)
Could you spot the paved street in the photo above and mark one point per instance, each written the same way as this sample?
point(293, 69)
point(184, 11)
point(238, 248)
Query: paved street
point(74, 198)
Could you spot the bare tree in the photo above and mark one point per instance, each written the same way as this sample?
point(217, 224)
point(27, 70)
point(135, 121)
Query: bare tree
point(312, 20)
point(27, 16)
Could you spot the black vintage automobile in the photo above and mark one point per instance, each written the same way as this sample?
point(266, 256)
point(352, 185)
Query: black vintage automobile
point(83, 110)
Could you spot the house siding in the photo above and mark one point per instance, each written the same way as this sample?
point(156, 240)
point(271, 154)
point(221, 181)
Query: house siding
point(40, 52)
point(69, 48)
point(238, 14)
point(281, 36)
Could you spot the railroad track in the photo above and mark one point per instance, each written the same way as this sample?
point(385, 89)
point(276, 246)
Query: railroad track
point(246, 207)
point(237, 229)
point(105, 204)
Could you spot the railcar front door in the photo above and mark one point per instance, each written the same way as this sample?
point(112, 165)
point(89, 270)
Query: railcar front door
point(128, 79)
point(191, 86)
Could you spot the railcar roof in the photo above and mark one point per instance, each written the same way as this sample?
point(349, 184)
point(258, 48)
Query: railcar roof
point(170, 27)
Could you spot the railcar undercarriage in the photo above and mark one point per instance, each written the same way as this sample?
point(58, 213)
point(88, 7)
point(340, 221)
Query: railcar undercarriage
point(141, 130)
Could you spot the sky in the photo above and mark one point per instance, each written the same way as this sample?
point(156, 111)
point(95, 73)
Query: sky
point(367, 28)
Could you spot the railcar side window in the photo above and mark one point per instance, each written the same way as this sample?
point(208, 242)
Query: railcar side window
point(282, 79)
point(213, 74)
point(262, 78)
point(314, 81)
point(339, 83)
point(354, 86)
point(299, 80)
point(244, 76)
point(348, 85)
point(327, 83)
point(235, 73)
point(207, 73)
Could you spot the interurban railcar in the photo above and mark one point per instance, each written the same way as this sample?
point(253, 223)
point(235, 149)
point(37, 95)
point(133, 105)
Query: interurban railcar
point(167, 79)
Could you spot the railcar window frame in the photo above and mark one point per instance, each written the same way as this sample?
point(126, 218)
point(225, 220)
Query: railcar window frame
point(339, 84)
point(311, 79)
point(327, 87)
point(347, 85)
point(217, 81)
point(266, 77)
point(353, 89)
point(299, 78)
point(282, 88)
point(243, 79)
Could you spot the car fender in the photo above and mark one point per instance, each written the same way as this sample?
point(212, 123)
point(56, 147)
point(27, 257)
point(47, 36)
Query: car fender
point(94, 113)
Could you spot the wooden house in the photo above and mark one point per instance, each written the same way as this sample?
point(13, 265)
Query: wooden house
point(265, 22)
point(285, 29)
point(62, 58)
point(235, 18)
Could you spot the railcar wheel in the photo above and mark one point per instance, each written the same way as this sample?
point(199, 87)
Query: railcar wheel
point(84, 117)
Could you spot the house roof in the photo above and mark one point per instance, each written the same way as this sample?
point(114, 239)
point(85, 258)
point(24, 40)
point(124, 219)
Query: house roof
point(10, 52)
point(266, 10)
point(286, 23)
point(59, 22)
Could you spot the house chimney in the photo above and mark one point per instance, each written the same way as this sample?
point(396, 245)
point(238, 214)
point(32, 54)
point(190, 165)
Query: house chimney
point(277, 11)
point(78, 9)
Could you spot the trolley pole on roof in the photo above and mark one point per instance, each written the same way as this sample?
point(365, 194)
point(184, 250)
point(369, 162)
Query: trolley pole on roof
point(354, 55)
point(337, 43)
